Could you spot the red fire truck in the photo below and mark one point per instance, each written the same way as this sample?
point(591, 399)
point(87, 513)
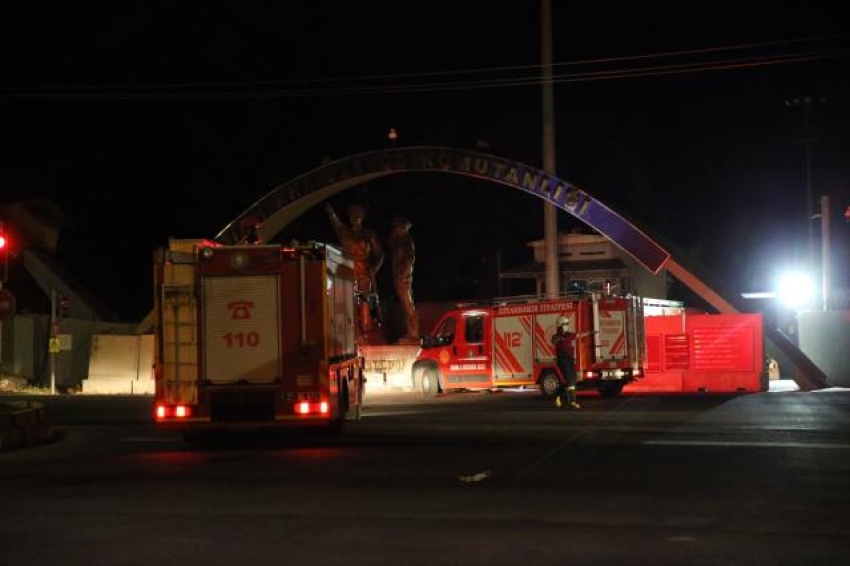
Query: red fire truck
point(254, 336)
point(508, 344)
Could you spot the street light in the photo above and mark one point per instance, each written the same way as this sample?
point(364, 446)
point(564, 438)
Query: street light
point(792, 291)
point(795, 290)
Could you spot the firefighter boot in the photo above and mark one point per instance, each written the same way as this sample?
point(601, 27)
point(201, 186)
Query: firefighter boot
point(571, 395)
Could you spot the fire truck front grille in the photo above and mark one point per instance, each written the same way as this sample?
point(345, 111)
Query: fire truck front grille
point(241, 406)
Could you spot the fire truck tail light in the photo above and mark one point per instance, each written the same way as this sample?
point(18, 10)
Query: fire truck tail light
point(307, 408)
point(588, 374)
point(163, 412)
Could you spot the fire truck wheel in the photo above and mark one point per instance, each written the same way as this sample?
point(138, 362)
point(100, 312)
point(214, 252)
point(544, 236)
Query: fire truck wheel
point(356, 412)
point(611, 389)
point(344, 405)
point(336, 426)
point(430, 385)
point(549, 384)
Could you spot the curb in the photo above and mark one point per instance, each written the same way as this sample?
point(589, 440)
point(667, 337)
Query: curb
point(25, 425)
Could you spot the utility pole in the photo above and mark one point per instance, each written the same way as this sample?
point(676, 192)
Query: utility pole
point(550, 211)
point(805, 103)
point(52, 347)
point(807, 140)
point(3, 279)
point(825, 253)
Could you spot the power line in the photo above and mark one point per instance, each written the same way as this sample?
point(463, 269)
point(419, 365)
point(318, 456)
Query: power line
point(469, 71)
point(271, 89)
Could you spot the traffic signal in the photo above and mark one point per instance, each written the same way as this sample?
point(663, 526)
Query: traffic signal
point(4, 253)
point(64, 307)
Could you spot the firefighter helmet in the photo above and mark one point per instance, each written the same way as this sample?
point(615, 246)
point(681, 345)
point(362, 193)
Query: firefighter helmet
point(563, 321)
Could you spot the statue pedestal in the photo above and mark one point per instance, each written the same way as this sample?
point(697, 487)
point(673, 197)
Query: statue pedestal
point(377, 337)
point(388, 366)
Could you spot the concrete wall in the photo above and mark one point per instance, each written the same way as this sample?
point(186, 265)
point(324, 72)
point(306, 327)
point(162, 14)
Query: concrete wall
point(28, 339)
point(20, 335)
point(825, 338)
point(120, 364)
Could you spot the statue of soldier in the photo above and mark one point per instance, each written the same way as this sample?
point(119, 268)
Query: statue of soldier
point(365, 249)
point(402, 258)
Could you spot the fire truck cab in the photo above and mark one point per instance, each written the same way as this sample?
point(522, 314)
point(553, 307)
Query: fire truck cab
point(507, 343)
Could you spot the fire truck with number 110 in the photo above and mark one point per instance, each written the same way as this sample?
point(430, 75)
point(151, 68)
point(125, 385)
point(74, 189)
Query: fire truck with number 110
point(254, 336)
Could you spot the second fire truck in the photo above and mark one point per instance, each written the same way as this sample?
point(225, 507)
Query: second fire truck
point(508, 344)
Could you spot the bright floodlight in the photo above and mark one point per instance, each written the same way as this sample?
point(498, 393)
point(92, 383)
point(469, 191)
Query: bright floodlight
point(796, 290)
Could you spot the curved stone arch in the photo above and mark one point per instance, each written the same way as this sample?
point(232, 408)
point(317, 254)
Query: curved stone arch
point(282, 205)
point(274, 211)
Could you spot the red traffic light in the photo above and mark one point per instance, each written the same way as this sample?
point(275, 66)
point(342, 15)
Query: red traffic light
point(64, 306)
point(847, 214)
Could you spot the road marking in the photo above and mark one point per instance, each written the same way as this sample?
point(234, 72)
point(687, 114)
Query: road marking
point(820, 446)
point(149, 439)
point(394, 413)
point(682, 539)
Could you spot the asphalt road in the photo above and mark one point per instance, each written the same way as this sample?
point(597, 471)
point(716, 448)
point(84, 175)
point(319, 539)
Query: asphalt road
point(499, 478)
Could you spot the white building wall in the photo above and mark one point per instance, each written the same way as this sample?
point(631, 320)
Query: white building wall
point(120, 364)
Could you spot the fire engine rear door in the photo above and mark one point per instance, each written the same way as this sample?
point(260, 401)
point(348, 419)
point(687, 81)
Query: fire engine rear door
point(241, 329)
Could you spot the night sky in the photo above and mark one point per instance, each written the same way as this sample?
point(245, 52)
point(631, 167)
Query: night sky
point(168, 119)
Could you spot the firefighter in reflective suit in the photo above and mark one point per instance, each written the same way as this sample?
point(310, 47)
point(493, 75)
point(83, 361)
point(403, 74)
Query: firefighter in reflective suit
point(564, 342)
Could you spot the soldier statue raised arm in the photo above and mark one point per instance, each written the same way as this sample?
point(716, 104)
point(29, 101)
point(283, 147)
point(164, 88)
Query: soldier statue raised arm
point(365, 249)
